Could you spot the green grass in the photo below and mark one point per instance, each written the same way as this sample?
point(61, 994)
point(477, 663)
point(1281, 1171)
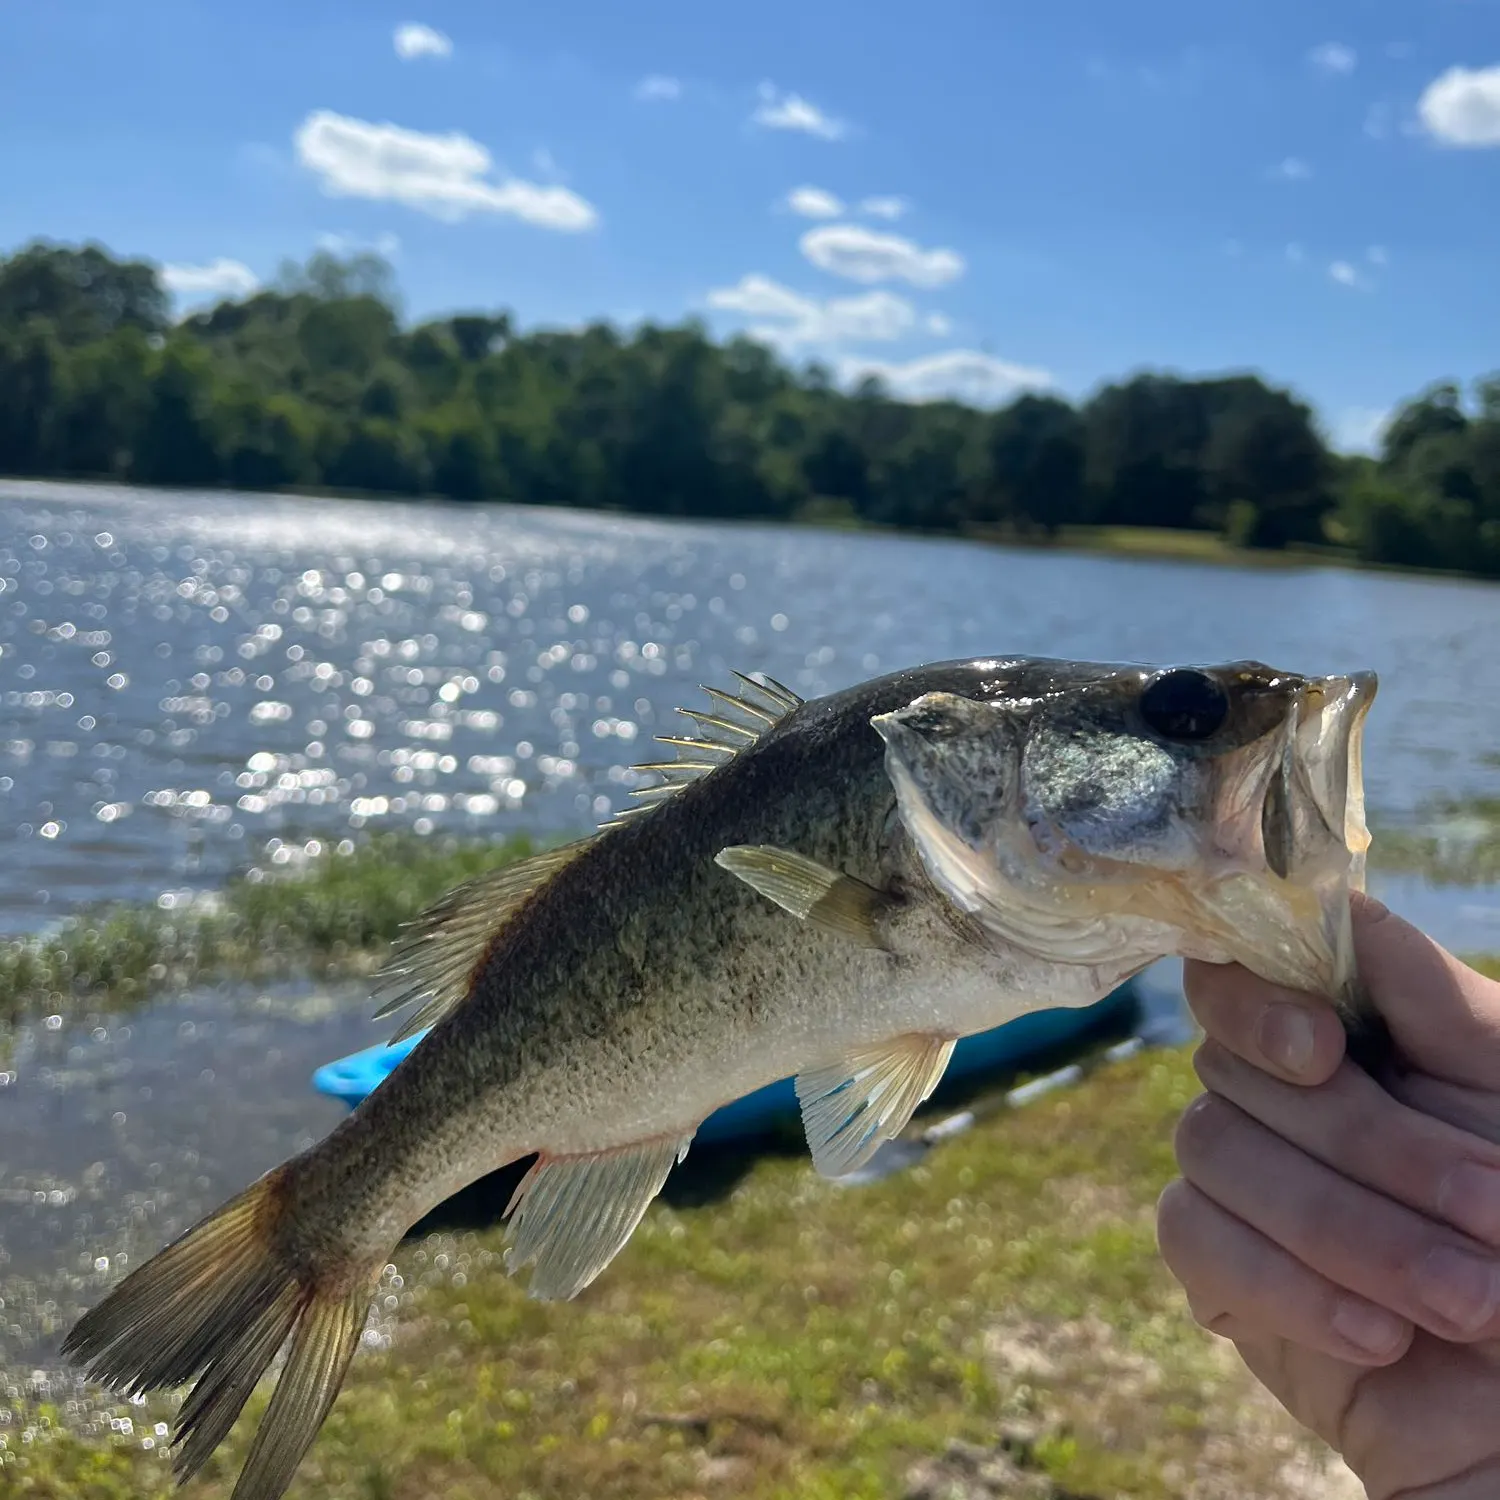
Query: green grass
point(787, 1339)
point(1455, 844)
point(338, 915)
point(793, 1338)
point(1158, 541)
point(1165, 542)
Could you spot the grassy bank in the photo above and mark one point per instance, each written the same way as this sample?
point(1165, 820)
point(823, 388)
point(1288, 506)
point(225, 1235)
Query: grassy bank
point(1455, 844)
point(997, 1311)
point(338, 914)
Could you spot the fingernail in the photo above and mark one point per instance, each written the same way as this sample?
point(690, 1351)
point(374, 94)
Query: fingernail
point(1286, 1036)
point(1459, 1287)
point(1367, 1327)
point(1470, 1198)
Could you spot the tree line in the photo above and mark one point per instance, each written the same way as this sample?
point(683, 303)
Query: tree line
point(317, 381)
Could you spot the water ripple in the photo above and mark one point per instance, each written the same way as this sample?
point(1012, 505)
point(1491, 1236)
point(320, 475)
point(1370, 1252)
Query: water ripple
point(190, 681)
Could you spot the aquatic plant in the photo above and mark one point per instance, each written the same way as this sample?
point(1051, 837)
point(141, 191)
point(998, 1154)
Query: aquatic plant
point(337, 912)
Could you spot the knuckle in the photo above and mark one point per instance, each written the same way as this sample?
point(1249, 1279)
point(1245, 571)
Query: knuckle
point(1355, 1134)
point(1176, 1214)
point(1209, 1315)
point(1199, 1136)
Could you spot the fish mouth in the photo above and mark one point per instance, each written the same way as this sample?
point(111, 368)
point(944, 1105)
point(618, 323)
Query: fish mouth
point(1314, 809)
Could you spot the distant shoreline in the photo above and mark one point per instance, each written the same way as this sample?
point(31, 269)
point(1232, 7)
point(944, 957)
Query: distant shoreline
point(1143, 543)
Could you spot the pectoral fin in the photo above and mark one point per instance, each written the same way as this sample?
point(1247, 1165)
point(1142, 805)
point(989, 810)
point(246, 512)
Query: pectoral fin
point(851, 1107)
point(572, 1215)
point(810, 891)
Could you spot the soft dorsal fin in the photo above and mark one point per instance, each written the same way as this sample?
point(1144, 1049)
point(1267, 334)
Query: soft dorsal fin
point(747, 715)
point(437, 958)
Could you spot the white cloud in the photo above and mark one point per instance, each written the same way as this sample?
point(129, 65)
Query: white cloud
point(1291, 169)
point(778, 111)
point(1378, 121)
point(1333, 58)
point(885, 207)
point(656, 88)
point(1359, 429)
point(219, 278)
point(1346, 274)
point(760, 297)
point(386, 245)
point(413, 41)
point(861, 254)
point(1295, 254)
point(960, 374)
point(446, 176)
point(788, 318)
point(814, 203)
point(1377, 255)
point(939, 325)
point(1462, 107)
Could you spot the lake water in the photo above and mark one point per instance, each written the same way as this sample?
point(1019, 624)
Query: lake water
point(190, 683)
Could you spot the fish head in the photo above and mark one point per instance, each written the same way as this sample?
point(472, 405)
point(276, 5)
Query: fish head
point(1080, 808)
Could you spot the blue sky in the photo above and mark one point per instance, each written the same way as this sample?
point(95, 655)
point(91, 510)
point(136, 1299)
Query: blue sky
point(967, 195)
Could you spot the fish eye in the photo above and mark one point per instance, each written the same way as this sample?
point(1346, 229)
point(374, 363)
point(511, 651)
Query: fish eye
point(1182, 704)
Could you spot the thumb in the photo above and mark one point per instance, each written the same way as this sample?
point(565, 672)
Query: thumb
point(1443, 1015)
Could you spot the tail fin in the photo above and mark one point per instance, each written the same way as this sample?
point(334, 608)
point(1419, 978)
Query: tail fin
point(215, 1306)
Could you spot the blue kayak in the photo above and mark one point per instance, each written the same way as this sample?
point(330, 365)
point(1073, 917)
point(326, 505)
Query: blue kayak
point(1011, 1048)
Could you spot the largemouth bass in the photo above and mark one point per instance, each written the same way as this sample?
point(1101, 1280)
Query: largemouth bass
point(835, 889)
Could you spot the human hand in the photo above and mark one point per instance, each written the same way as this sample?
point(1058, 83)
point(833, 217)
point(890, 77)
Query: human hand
point(1345, 1238)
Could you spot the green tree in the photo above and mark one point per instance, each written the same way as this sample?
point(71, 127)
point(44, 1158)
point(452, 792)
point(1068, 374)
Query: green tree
point(178, 441)
point(317, 380)
point(1436, 413)
point(105, 410)
point(269, 442)
point(460, 454)
point(1266, 472)
point(84, 295)
point(33, 398)
point(374, 454)
point(1036, 452)
point(1144, 442)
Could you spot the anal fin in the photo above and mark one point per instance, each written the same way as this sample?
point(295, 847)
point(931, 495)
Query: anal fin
point(851, 1107)
point(810, 891)
point(571, 1215)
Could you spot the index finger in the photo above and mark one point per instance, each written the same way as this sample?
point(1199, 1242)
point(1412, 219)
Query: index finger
point(1444, 1016)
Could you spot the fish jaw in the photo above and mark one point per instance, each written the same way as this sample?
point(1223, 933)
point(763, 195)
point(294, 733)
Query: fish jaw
point(1258, 871)
point(1293, 925)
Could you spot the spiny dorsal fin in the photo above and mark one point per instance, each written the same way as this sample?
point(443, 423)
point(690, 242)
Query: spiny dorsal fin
point(810, 891)
point(746, 716)
point(437, 958)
